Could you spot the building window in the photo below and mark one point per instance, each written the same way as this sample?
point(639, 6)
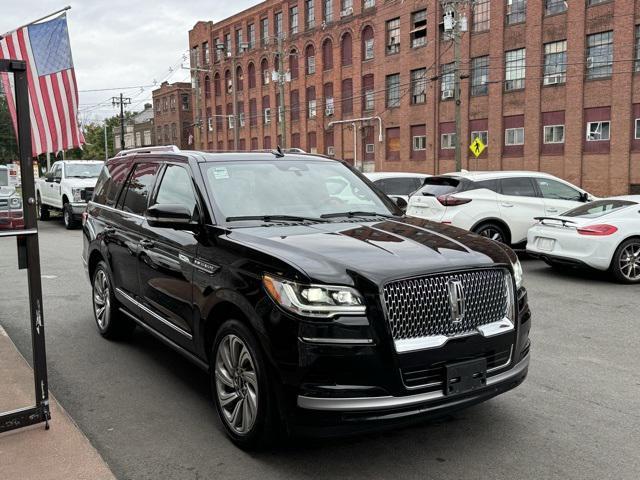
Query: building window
point(327, 54)
point(347, 96)
point(514, 136)
point(264, 32)
point(368, 4)
point(251, 73)
point(598, 131)
point(277, 25)
point(216, 85)
point(514, 69)
point(239, 79)
point(266, 74)
point(310, 13)
point(553, 134)
point(238, 41)
point(368, 97)
point(481, 15)
point(551, 7)
point(393, 36)
point(185, 101)
point(555, 62)
point(419, 142)
point(599, 55)
point(293, 63)
point(346, 47)
point(516, 11)
point(310, 59)
point(637, 63)
point(251, 35)
point(447, 141)
point(418, 86)
point(346, 8)
point(636, 133)
point(483, 135)
point(447, 81)
point(419, 28)
point(205, 53)
point(216, 52)
point(393, 90)
point(596, 2)
point(311, 102)
point(293, 20)
point(480, 76)
point(207, 87)
point(327, 11)
point(367, 43)
point(227, 43)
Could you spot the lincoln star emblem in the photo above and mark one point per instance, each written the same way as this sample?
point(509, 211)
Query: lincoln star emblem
point(456, 300)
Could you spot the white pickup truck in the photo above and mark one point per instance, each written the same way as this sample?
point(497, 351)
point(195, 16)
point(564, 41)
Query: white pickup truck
point(67, 187)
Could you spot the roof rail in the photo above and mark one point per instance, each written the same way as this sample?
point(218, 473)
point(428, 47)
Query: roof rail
point(160, 148)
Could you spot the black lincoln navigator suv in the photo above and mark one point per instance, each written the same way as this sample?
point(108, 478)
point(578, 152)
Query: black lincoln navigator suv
point(313, 302)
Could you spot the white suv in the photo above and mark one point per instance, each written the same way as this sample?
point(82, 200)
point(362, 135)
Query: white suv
point(498, 205)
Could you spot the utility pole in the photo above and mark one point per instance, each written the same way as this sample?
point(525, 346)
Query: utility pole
point(455, 24)
point(106, 145)
point(121, 101)
point(281, 80)
point(234, 85)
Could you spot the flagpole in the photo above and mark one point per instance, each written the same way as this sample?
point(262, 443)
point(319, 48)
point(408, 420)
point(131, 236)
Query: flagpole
point(68, 7)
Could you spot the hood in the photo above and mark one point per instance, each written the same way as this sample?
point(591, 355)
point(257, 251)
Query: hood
point(72, 182)
point(6, 192)
point(380, 251)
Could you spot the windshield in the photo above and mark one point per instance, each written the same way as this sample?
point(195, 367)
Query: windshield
point(598, 208)
point(289, 187)
point(83, 170)
point(4, 177)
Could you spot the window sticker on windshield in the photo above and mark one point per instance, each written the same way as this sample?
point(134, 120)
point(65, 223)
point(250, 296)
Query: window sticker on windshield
point(220, 173)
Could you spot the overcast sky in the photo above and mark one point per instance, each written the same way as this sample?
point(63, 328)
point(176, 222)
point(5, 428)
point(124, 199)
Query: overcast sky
point(121, 43)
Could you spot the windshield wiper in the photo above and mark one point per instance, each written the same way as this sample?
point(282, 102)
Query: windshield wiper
point(355, 214)
point(270, 218)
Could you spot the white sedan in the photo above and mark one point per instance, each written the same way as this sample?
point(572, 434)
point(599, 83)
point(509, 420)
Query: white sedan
point(604, 234)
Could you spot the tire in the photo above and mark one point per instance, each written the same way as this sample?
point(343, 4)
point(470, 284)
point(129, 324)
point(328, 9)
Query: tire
point(493, 231)
point(43, 210)
point(625, 265)
point(67, 214)
point(111, 323)
point(240, 387)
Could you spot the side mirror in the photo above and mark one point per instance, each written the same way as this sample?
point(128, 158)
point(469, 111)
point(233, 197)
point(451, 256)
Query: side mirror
point(585, 197)
point(400, 202)
point(57, 179)
point(170, 215)
point(48, 178)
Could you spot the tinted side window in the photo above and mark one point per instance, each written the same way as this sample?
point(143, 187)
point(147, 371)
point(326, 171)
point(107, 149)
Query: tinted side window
point(518, 187)
point(136, 195)
point(557, 190)
point(436, 186)
point(399, 186)
point(488, 184)
point(109, 183)
point(176, 188)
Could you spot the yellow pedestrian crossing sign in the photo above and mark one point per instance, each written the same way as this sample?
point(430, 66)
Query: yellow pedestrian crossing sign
point(477, 147)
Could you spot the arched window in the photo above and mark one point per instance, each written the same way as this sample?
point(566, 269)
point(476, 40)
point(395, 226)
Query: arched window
point(346, 49)
point(207, 87)
point(327, 54)
point(264, 71)
point(228, 84)
point(293, 63)
point(367, 43)
point(239, 79)
point(310, 60)
point(216, 84)
point(251, 72)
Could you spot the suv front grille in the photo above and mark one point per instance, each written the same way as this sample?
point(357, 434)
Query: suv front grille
point(421, 307)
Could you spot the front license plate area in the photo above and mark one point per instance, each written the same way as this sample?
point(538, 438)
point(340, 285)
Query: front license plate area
point(465, 376)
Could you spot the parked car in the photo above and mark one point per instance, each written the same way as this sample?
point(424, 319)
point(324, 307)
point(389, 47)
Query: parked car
point(311, 311)
point(11, 213)
point(66, 187)
point(604, 235)
point(498, 205)
point(397, 184)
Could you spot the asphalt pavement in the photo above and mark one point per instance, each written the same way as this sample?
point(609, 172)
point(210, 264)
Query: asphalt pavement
point(149, 412)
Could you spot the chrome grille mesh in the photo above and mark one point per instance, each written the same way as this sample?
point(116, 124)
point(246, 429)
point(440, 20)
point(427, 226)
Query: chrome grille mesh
point(420, 307)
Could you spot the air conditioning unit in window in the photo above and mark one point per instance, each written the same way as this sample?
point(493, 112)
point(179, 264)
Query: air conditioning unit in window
point(241, 120)
point(231, 121)
point(554, 79)
point(267, 116)
point(589, 62)
point(447, 94)
point(331, 151)
point(369, 148)
point(346, 12)
point(328, 111)
point(210, 124)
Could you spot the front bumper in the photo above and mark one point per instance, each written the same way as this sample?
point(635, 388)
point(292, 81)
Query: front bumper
point(78, 208)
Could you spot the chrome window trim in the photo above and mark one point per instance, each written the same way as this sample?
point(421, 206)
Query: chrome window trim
point(155, 315)
point(100, 205)
point(359, 404)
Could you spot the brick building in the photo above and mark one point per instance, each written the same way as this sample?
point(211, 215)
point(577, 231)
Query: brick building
point(138, 130)
point(173, 114)
point(551, 85)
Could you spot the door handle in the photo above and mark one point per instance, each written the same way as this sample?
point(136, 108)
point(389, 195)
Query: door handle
point(508, 205)
point(552, 210)
point(147, 243)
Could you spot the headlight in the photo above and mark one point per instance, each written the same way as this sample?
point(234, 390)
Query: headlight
point(517, 273)
point(15, 202)
point(77, 194)
point(321, 301)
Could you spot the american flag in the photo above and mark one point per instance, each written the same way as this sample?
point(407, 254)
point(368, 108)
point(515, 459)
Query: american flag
point(53, 92)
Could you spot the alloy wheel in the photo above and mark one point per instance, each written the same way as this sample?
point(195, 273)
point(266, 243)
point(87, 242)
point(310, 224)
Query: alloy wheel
point(629, 262)
point(101, 299)
point(492, 233)
point(236, 384)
